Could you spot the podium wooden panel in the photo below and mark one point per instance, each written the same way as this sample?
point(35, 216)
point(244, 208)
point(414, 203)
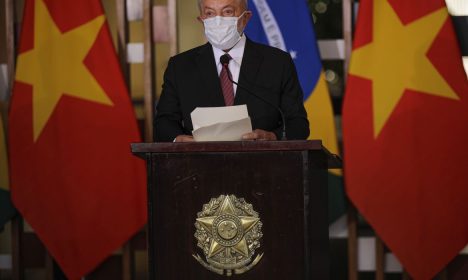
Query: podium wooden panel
point(285, 181)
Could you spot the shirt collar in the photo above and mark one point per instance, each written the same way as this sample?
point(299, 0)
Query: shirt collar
point(236, 52)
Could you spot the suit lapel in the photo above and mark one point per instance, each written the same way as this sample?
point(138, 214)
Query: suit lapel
point(251, 61)
point(207, 67)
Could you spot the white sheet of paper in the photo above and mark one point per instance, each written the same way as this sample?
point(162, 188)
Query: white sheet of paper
point(220, 123)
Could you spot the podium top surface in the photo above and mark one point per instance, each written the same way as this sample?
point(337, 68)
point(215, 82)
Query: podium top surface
point(140, 149)
point(228, 146)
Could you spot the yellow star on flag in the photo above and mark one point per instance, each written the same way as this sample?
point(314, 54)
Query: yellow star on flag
point(55, 66)
point(396, 60)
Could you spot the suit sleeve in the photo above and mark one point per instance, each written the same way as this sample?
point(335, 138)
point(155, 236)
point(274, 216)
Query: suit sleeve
point(167, 123)
point(292, 105)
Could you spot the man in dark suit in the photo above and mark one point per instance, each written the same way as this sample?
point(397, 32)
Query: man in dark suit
point(197, 78)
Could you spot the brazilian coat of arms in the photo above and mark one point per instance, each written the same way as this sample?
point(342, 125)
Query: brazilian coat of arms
point(228, 231)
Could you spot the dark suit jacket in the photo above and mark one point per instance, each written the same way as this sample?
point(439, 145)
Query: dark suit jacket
point(191, 80)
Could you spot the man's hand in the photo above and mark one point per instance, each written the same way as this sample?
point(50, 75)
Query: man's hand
point(184, 138)
point(259, 134)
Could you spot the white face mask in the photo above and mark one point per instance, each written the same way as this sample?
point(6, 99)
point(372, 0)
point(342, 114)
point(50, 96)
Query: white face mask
point(222, 32)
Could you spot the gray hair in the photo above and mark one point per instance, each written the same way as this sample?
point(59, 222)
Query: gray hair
point(243, 2)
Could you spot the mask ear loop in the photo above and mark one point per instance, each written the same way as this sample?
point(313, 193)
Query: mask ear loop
point(237, 22)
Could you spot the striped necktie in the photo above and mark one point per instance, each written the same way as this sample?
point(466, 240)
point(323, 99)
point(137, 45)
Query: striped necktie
point(226, 84)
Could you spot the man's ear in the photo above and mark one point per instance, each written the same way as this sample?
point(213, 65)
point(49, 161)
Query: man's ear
point(200, 19)
point(245, 18)
point(248, 15)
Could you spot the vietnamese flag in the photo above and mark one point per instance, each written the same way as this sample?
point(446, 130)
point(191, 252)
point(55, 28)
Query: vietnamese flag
point(73, 177)
point(405, 131)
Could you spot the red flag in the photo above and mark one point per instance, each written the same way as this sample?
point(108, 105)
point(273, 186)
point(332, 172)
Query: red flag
point(405, 130)
point(73, 177)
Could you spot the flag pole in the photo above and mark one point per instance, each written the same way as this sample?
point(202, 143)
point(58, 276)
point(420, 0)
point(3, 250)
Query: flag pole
point(347, 32)
point(148, 71)
point(352, 242)
point(351, 212)
point(172, 12)
point(16, 242)
point(379, 259)
point(17, 221)
point(122, 41)
point(10, 44)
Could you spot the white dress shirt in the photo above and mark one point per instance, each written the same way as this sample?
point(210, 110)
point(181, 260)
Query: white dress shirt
point(237, 52)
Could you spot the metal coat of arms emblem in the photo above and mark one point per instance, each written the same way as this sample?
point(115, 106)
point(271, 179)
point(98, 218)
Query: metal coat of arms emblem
point(228, 231)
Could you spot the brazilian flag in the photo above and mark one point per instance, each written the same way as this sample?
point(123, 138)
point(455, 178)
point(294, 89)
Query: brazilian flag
point(287, 25)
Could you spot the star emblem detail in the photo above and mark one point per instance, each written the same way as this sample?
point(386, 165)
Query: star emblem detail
point(228, 229)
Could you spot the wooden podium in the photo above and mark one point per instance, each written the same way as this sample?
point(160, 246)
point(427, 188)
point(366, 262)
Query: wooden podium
point(221, 186)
